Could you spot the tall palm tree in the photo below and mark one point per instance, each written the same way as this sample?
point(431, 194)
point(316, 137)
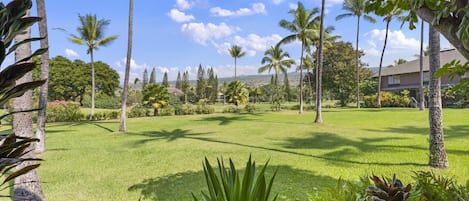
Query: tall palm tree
point(26, 185)
point(356, 8)
point(301, 27)
point(236, 52)
point(387, 18)
point(122, 127)
point(278, 60)
point(318, 118)
point(41, 116)
point(421, 93)
point(91, 35)
point(437, 154)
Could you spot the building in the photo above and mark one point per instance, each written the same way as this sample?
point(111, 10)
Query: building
point(407, 75)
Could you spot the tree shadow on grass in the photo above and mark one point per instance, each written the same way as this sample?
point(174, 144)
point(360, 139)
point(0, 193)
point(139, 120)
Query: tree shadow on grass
point(226, 120)
point(167, 135)
point(451, 132)
point(290, 183)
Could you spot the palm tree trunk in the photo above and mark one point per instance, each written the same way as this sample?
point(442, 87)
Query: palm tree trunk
point(301, 77)
point(41, 116)
point(438, 156)
point(277, 99)
point(422, 95)
point(123, 126)
point(26, 185)
point(378, 96)
point(235, 68)
point(356, 61)
point(93, 85)
point(319, 68)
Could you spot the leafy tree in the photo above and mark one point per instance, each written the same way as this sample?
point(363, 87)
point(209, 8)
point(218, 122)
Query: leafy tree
point(301, 27)
point(165, 82)
point(122, 127)
point(179, 81)
point(91, 35)
point(155, 96)
point(278, 60)
point(152, 76)
point(236, 52)
point(41, 116)
point(237, 93)
point(356, 8)
point(145, 78)
point(387, 18)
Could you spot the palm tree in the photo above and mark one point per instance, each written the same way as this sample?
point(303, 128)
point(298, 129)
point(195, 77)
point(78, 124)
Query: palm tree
point(319, 68)
point(437, 154)
point(237, 93)
point(122, 127)
point(302, 28)
point(28, 184)
point(356, 8)
point(388, 18)
point(41, 116)
point(236, 52)
point(422, 94)
point(278, 60)
point(91, 35)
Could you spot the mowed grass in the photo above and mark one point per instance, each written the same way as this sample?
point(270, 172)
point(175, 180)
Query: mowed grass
point(160, 158)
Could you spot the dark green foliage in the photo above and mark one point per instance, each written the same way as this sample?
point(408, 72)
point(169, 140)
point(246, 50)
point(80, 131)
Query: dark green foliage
point(385, 190)
point(165, 82)
point(343, 191)
point(228, 186)
point(138, 111)
point(436, 187)
point(167, 111)
point(103, 101)
point(71, 81)
point(152, 76)
point(230, 109)
point(205, 109)
point(145, 78)
point(368, 87)
point(388, 99)
point(179, 81)
point(63, 111)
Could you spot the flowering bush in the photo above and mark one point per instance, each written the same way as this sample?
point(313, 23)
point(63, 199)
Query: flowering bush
point(60, 111)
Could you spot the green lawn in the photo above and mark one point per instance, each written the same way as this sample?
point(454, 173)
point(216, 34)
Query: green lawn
point(161, 158)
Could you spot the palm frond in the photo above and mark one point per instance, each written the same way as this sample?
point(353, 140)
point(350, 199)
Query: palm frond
point(345, 15)
point(369, 19)
point(106, 41)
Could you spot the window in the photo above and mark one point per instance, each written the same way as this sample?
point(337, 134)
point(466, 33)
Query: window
point(426, 76)
point(394, 80)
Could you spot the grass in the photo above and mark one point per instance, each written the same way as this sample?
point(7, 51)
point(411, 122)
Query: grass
point(161, 158)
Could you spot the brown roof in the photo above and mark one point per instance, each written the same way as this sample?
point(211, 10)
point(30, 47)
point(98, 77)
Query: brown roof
point(413, 66)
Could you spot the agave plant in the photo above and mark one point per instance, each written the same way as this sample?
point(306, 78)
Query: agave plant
point(12, 147)
point(227, 186)
point(385, 191)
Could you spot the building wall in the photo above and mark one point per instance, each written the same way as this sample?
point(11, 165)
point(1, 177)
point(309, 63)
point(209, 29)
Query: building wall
point(413, 81)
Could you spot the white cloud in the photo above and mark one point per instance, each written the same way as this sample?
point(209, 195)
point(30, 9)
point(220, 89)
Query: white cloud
point(293, 6)
point(133, 65)
point(277, 2)
point(250, 44)
point(398, 46)
point(184, 4)
point(257, 8)
point(71, 53)
point(179, 16)
point(201, 32)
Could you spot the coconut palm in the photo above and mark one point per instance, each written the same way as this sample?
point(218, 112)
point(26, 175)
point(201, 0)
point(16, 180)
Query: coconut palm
point(122, 127)
point(278, 60)
point(437, 154)
point(236, 52)
point(41, 116)
point(356, 8)
point(301, 27)
point(387, 18)
point(318, 118)
point(91, 35)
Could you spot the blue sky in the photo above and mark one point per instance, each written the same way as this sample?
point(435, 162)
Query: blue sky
point(178, 35)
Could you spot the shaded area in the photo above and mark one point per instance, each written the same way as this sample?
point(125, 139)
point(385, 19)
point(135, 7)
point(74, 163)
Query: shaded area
point(290, 183)
point(228, 119)
point(186, 134)
point(451, 132)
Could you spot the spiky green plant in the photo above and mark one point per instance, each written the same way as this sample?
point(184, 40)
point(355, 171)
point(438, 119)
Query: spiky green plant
point(385, 190)
point(228, 186)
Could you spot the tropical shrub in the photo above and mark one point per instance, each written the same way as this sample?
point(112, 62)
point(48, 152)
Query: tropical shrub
point(250, 108)
point(343, 191)
point(166, 111)
point(205, 109)
point(437, 187)
point(228, 186)
point(188, 109)
point(138, 111)
point(230, 109)
point(63, 111)
point(385, 190)
point(388, 99)
point(104, 115)
point(103, 101)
